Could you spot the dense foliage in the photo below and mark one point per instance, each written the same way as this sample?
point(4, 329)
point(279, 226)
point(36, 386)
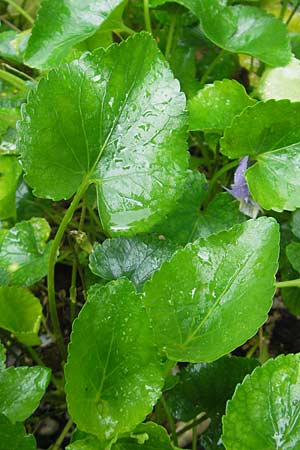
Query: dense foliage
point(149, 224)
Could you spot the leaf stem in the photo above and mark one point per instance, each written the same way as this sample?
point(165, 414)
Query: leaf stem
point(211, 67)
point(217, 175)
point(293, 13)
point(289, 283)
point(36, 358)
point(20, 10)
point(195, 436)
point(283, 8)
point(19, 72)
point(52, 261)
point(195, 422)
point(170, 36)
point(13, 80)
point(170, 421)
point(147, 16)
point(62, 435)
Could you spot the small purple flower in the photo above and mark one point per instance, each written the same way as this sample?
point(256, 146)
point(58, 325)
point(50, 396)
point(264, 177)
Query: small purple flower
point(240, 191)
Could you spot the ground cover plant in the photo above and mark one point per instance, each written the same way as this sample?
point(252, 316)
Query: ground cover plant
point(149, 224)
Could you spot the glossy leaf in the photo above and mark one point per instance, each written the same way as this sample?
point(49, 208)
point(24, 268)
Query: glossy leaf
point(135, 258)
point(21, 390)
point(181, 223)
point(114, 376)
point(274, 181)
point(13, 45)
point(10, 171)
point(264, 127)
point(13, 436)
point(243, 29)
point(20, 313)
point(24, 253)
point(147, 436)
point(51, 40)
point(281, 82)
point(264, 411)
point(207, 387)
point(295, 223)
point(214, 107)
point(136, 156)
point(194, 297)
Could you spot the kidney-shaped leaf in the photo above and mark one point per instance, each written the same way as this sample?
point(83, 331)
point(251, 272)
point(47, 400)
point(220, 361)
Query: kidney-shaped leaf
point(243, 29)
point(20, 313)
point(21, 390)
point(116, 118)
point(214, 290)
point(214, 107)
point(13, 436)
point(264, 411)
point(24, 253)
point(135, 258)
point(74, 22)
point(114, 376)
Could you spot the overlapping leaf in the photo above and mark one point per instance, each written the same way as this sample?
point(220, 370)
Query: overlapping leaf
point(14, 437)
point(135, 155)
point(264, 411)
point(114, 376)
point(211, 287)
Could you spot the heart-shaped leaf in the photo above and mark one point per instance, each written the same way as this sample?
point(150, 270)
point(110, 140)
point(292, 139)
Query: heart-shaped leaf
point(113, 374)
point(214, 107)
point(21, 390)
point(135, 258)
point(264, 411)
point(281, 82)
point(117, 119)
point(51, 40)
point(24, 253)
point(270, 133)
point(192, 299)
point(20, 313)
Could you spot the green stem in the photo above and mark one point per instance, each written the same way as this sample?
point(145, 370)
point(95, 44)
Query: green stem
point(170, 36)
point(192, 425)
point(35, 357)
point(20, 10)
point(19, 72)
point(283, 8)
point(147, 16)
point(52, 261)
point(211, 67)
point(194, 439)
point(293, 13)
point(13, 80)
point(62, 435)
point(289, 283)
point(170, 421)
point(217, 175)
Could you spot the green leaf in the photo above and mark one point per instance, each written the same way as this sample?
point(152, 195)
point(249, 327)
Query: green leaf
point(274, 181)
point(89, 443)
point(136, 156)
point(295, 223)
point(293, 254)
point(205, 285)
point(148, 435)
point(20, 313)
point(243, 29)
point(281, 82)
point(51, 40)
point(214, 107)
point(2, 356)
point(21, 390)
point(113, 374)
point(221, 214)
point(13, 437)
point(264, 127)
point(180, 225)
point(13, 45)
point(267, 132)
point(135, 258)
point(264, 411)
point(10, 171)
point(24, 253)
point(207, 387)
